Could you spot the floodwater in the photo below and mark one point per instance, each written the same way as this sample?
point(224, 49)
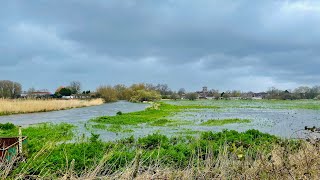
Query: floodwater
point(280, 122)
point(73, 116)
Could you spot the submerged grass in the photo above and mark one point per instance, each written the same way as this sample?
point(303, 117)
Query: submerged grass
point(170, 123)
point(188, 132)
point(116, 128)
point(221, 122)
point(160, 122)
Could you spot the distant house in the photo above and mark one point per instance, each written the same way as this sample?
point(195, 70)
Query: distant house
point(36, 94)
point(234, 98)
point(248, 95)
point(183, 96)
point(211, 97)
point(261, 95)
point(24, 94)
point(67, 97)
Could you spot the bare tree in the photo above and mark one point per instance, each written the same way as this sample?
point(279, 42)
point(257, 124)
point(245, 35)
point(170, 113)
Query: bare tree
point(10, 89)
point(192, 96)
point(164, 89)
point(151, 87)
point(75, 87)
point(181, 92)
point(31, 90)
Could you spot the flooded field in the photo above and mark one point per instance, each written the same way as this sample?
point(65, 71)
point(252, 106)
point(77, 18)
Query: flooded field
point(284, 123)
point(282, 118)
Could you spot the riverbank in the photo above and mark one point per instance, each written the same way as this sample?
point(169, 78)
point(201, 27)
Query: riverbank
point(23, 106)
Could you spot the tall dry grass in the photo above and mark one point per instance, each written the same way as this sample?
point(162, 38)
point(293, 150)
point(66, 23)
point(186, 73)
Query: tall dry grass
point(303, 163)
point(18, 106)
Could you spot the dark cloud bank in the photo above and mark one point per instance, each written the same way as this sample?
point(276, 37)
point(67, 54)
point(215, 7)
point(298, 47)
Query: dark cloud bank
point(245, 45)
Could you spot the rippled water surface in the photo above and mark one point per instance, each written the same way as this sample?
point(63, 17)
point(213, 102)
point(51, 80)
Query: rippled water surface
point(280, 122)
point(73, 116)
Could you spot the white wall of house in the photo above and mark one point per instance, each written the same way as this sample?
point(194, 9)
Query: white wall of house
point(67, 97)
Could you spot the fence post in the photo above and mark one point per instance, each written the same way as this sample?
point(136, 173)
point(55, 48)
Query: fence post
point(20, 140)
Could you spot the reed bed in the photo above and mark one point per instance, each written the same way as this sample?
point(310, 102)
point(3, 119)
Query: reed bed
point(20, 106)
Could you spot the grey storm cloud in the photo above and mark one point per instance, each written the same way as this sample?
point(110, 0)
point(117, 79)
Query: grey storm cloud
point(246, 45)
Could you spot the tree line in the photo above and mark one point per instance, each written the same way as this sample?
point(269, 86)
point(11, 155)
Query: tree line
point(150, 92)
point(134, 93)
point(302, 92)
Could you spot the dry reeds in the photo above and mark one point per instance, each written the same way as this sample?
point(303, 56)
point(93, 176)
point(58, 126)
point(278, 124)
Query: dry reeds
point(303, 163)
point(19, 106)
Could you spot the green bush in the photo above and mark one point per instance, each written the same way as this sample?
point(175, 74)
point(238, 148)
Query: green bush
point(7, 126)
point(119, 113)
point(65, 92)
point(153, 141)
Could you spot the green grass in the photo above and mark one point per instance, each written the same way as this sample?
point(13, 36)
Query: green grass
point(150, 115)
point(221, 122)
point(98, 126)
point(39, 135)
point(176, 152)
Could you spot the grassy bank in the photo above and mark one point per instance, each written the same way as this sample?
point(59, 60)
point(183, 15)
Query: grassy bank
point(157, 114)
point(21, 106)
point(226, 155)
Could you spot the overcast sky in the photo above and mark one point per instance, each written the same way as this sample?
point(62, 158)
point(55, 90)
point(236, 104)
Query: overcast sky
point(225, 44)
